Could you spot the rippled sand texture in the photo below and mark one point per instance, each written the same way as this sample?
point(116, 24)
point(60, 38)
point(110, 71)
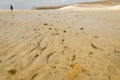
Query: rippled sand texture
point(60, 45)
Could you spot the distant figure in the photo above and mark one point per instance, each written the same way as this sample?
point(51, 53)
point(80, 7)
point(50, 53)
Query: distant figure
point(11, 7)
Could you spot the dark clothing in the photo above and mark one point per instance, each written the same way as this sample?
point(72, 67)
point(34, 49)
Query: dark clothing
point(11, 7)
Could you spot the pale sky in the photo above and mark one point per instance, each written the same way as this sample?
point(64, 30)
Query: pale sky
point(28, 4)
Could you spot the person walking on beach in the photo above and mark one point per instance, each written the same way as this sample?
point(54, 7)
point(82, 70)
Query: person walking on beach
point(11, 8)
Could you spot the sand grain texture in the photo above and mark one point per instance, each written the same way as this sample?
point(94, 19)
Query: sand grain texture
point(60, 45)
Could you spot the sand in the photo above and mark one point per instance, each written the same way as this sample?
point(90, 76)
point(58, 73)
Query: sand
point(60, 45)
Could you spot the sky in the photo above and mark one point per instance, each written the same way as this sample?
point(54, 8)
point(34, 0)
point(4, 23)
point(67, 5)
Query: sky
point(28, 4)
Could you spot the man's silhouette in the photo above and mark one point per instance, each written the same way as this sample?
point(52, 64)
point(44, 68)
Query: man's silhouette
point(11, 7)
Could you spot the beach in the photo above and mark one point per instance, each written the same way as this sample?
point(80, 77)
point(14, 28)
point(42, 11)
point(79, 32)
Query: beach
point(63, 44)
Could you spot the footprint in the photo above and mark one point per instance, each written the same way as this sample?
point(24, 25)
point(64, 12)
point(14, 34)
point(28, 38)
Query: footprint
point(34, 76)
point(62, 41)
point(73, 57)
point(50, 28)
point(81, 28)
point(96, 36)
point(35, 29)
point(12, 72)
point(77, 33)
point(90, 54)
point(64, 31)
point(48, 56)
point(46, 24)
point(36, 55)
point(95, 46)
